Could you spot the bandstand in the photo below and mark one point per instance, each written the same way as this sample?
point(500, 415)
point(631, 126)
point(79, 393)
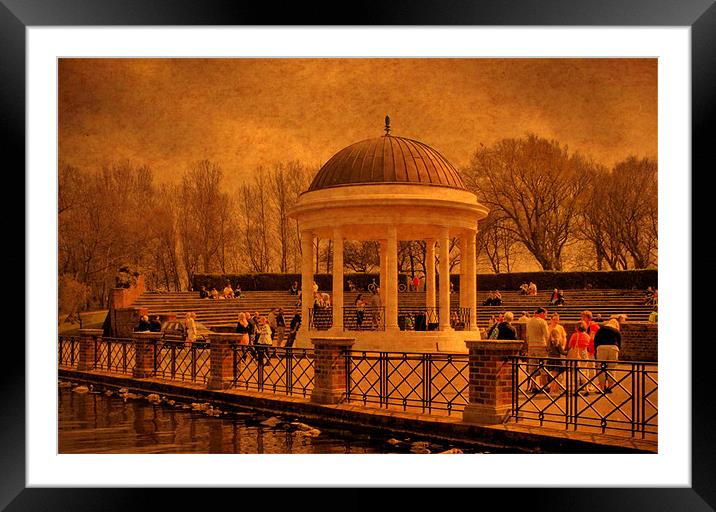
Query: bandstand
point(390, 189)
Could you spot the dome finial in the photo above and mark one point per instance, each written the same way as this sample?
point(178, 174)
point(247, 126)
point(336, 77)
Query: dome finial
point(387, 125)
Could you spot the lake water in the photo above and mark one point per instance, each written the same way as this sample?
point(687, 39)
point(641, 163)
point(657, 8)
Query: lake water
point(91, 422)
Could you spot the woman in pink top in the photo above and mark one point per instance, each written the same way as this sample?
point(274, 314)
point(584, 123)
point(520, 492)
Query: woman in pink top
point(579, 348)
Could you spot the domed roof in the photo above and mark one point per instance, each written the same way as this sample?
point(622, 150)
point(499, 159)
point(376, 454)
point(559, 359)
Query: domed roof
point(387, 159)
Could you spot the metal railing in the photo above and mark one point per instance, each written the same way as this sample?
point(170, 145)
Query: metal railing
point(288, 371)
point(589, 395)
point(114, 355)
point(68, 351)
point(428, 382)
point(320, 318)
point(175, 360)
point(369, 318)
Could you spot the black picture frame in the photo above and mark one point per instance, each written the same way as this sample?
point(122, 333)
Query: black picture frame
point(17, 15)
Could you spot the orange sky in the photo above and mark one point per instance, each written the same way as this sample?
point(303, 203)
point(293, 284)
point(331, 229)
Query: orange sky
point(242, 113)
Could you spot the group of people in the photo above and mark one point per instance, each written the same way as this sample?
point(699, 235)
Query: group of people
point(588, 342)
point(145, 324)
point(227, 293)
point(493, 299)
point(267, 330)
point(528, 289)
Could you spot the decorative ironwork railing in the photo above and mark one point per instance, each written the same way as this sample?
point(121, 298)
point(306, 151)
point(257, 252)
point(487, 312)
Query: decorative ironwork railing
point(369, 318)
point(177, 361)
point(114, 355)
point(270, 369)
point(586, 394)
point(68, 351)
point(320, 318)
point(426, 382)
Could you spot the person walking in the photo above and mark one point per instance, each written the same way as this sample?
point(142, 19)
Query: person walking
point(243, 328)
point(579, 344)
point(537, 334)
point(360, 310)
point(280, 327)
point(264, 341)
point(607, 343)
point(294, 326)
point(272, 322)
point(190, 328)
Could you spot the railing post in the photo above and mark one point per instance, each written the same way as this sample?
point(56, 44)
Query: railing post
point(88, 348)
point(329, 385)
point(490, 381)
point(221, 354)
point(144, 343)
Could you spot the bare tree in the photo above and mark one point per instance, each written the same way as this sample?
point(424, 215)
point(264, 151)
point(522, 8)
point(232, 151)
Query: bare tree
point(533, 184)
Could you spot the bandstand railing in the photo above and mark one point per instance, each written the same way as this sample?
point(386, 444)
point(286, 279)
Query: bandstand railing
point(368, 318)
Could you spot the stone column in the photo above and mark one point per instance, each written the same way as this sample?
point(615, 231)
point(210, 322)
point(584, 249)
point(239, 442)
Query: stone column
point(444, 290)
point(329, 364)
point(464, 266)
point(430, 270)
point(490, 381)
point(221, 354)
point(144, 343)
point(472, 279)
point(383, 264)
point(337, 299)
point(306, 278)
point(88, 348)
point(391, 281)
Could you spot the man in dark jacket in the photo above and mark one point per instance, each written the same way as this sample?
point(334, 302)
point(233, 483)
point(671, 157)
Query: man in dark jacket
point(607, 342)
point(143, 324)
point(155, 325)
point(505, 331)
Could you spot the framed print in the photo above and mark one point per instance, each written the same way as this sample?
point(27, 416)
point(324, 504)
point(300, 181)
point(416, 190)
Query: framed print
point(454, 90)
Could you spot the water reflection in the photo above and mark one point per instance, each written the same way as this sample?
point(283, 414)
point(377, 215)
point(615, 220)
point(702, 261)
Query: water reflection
point(95, 423)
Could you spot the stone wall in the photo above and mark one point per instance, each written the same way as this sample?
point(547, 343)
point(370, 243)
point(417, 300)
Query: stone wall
point(640, 342)
point(125, 297)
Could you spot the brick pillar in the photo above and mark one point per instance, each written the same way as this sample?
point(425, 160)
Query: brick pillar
point(221, 373)
point(144, 343)
point(490, 395)
point(88, 348)
point(329, 367)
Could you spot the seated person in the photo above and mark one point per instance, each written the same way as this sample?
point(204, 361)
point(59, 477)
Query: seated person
point(553, 297)
point(560, 298)
point(294, 288)
point(532, 289)
point(155, 325)
point(351, 286)
point(524, 288)
point(143, 324)
point(497, 298)
point(228, 292)
point(214, 294)
point(203, 293)
point(489, 301)
point(237, 292)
